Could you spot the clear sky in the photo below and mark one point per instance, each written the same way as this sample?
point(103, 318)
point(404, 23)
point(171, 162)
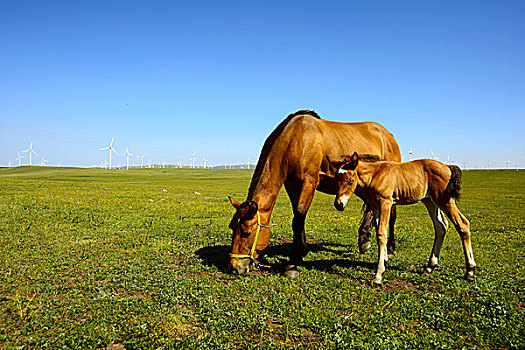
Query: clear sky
point(169, 78)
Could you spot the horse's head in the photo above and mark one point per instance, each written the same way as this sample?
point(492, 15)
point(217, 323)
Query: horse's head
point(346, 179)
point(249, 236)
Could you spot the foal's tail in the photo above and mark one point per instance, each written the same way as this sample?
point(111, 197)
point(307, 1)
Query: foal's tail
point(454, 184)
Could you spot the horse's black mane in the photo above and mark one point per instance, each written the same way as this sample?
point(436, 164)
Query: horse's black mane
point(365, 157)
point(268, 144)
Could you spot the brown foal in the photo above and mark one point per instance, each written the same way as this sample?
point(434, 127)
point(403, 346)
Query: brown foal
point(382, 184)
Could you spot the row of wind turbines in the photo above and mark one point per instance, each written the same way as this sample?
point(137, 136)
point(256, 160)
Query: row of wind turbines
point(31, 151)
point(111, 150)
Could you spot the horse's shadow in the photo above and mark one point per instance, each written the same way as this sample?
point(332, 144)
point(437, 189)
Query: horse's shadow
point(218, 256)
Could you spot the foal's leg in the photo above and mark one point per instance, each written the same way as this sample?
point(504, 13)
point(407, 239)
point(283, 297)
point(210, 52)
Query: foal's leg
point(440, 229)
point(384, 215)
point(463, 227)
point(301, 196)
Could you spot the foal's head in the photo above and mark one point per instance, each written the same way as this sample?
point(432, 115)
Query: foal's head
point(346, 179)
point(249, 236)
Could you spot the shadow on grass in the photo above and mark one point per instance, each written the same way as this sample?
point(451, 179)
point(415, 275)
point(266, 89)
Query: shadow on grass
point(218, 256)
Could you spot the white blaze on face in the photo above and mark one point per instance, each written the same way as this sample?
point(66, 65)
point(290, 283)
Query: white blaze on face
point(342, 171)
point(344, 200)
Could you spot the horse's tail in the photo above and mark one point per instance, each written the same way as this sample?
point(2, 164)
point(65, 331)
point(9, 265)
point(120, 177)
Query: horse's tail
point(453, 189)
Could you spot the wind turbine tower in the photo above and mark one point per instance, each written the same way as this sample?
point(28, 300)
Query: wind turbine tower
point(410, 154)
point(110, 148)
point(204, 160)
point(127, 158)
point(19, 158)
point(43, 161)
point(30, 150)
point(193, 160)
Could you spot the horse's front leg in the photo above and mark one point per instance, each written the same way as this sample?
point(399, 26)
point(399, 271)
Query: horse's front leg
point(301, 196)
point(382, 230)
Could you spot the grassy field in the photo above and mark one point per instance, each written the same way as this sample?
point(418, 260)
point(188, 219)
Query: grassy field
point(90, 258)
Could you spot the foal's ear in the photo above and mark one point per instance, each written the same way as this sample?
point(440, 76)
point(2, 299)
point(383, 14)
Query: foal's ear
point(336, 163)
point(353, 161)
point(234, 202)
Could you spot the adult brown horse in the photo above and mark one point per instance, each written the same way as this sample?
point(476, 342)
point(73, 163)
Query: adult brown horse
point(296, 154)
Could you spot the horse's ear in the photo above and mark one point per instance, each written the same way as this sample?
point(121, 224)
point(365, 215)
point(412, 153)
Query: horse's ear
point(249, 209)
point(234, 202)
point(254, 208)
point(353, 161)
point(336, 163)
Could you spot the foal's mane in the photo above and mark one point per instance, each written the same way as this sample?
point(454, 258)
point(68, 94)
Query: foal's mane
point(268, 144)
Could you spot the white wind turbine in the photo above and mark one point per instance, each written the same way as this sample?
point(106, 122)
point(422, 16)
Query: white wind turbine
point(19, 158)
point(10, 163)
point(30, 150)
point(193, 160)
point(110, 148)
point(448, 162)
point(127, 158)
point(141, 160)
point(410, 154)
point(204, 161)
point(43, 161)
point(433, 155)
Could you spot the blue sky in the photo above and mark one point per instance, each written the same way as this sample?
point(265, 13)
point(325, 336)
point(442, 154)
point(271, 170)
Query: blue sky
point(169, 78)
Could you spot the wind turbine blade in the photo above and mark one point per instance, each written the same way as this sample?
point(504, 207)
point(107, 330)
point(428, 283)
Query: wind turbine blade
point(103, 149)
point(113, 139)
point(114, 151)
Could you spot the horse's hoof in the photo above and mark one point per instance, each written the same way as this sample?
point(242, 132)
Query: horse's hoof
point(377, 284)
point(364, 247)
point(428, 270)
point(469, 276)
point(291, 271)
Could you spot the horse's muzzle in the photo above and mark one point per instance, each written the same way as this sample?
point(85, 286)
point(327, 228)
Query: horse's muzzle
point(339, 205)
point(239, 266)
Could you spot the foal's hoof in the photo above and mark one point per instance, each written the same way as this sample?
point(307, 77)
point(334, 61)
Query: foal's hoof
point(469, 276)
point(291, 271)
point(364, 247)
point(390, 251)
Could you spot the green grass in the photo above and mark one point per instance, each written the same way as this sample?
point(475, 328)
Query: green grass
point(92, 257)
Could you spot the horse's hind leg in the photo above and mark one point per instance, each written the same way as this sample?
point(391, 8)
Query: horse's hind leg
point(463, 227)
point(364, 230)
point(391, 243)
point(440, 229)
point(301, 196)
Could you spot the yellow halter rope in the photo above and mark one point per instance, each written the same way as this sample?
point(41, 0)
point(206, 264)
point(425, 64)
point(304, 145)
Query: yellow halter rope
point(250, 256)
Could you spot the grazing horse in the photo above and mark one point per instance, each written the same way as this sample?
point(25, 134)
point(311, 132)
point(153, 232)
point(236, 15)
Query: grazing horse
point(295, 154)
point(382, 184)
